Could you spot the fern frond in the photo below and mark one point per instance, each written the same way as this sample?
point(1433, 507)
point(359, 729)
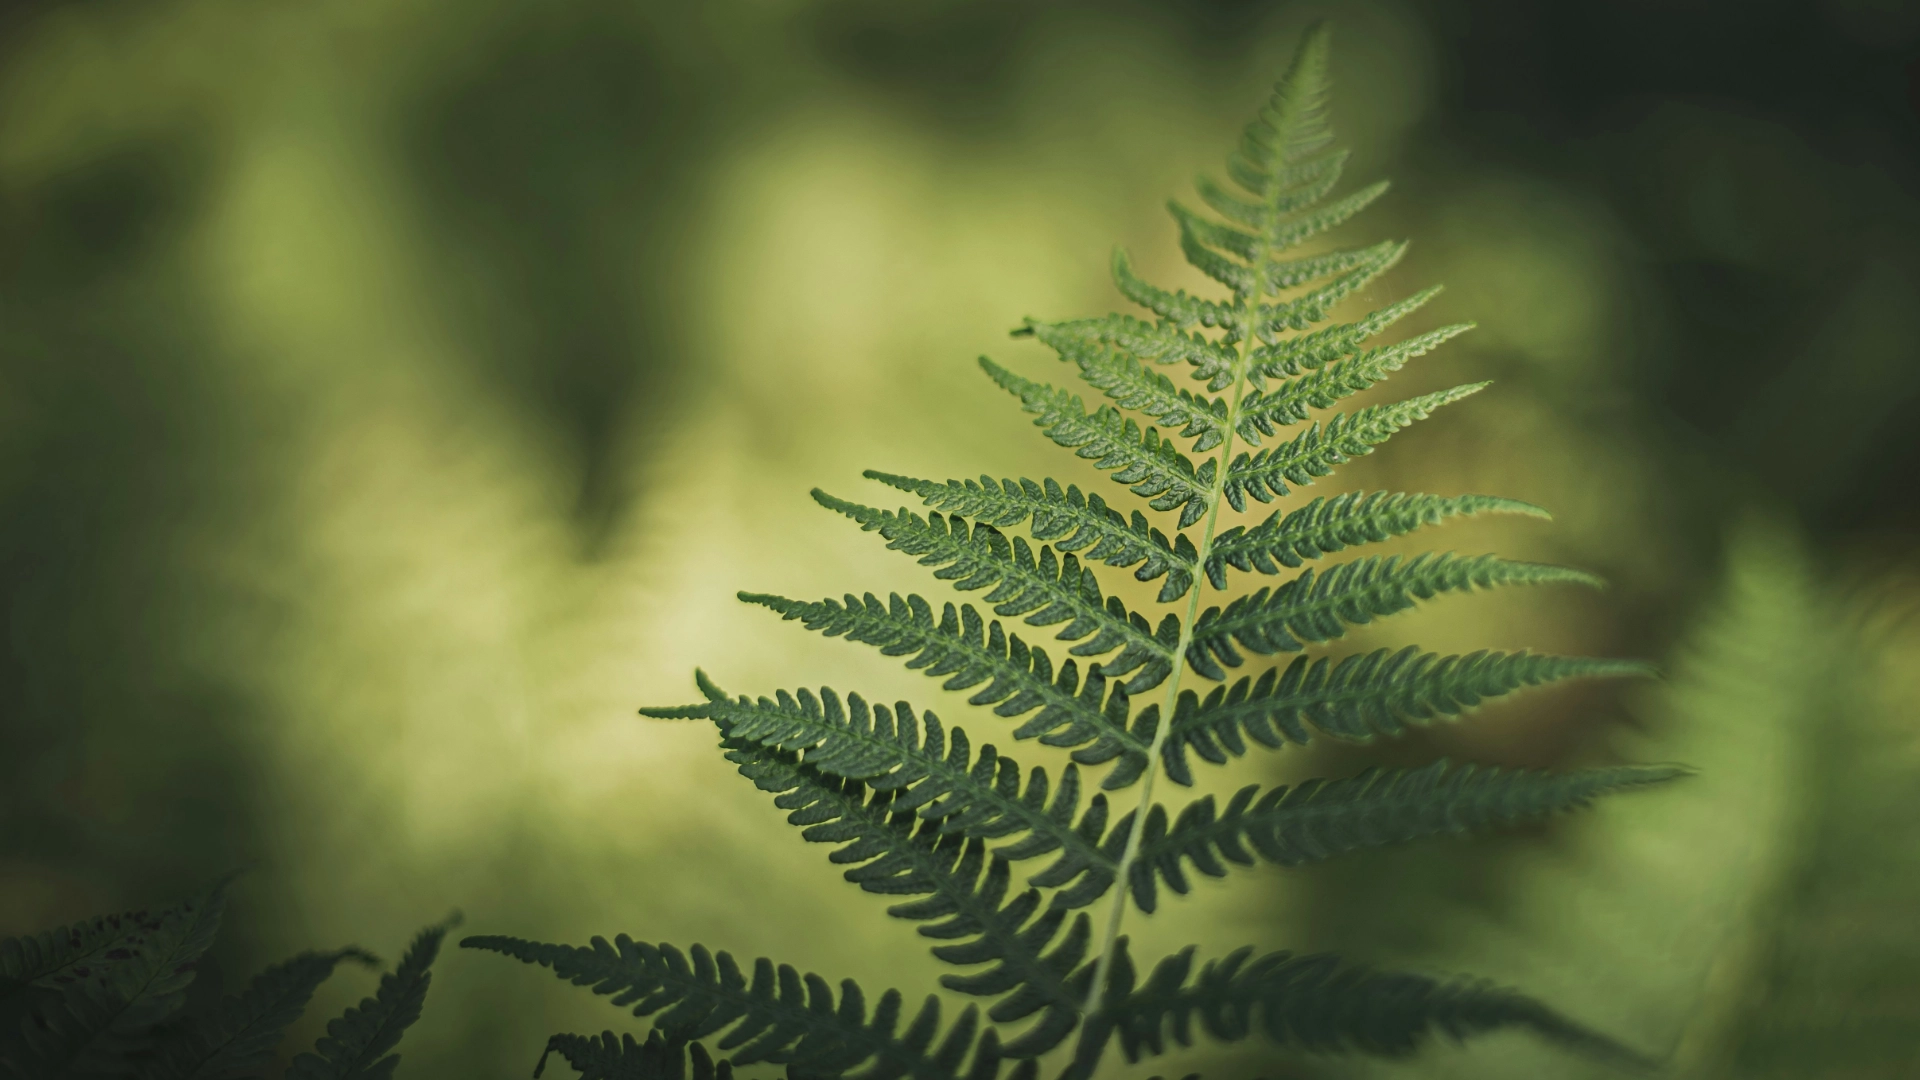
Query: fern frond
point(1320, 819)
point(1319, 1003)
point(1325, 526)
point(358, 1043)
point(1046, 588)
point(109, 1005)
point(1150, 465)
point(1364, 696)
point(1326, 386)
point(903, 854)
point(1071, 520)
point(780, 1016)
point(1072, 713)
point(1295, 353)
point(624, 1058)
point(1319, 607)
point(239, 1036)
point(1315, 452)
point(1178, 309)
point(889, 750)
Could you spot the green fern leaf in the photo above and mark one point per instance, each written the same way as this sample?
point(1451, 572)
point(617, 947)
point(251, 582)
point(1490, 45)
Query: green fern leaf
point(622, 1058)
point(240, 1034)
point(889, 750)
point(109, 1005)
point(1325, 526)
point(1305, 182)
point(1178, 309)
point(780, 1016)
point(1278, 149)
point(1076, 713)
point(1380, 693)
point(1321, 389)
point(1229, 205)
point(1320, 819)
point(1152, 467)
point(358, 1044)
point(1317, 450)
point(50, 958)
point(1311, 307)
point(1053, 589)
point(1292, 273)
point(1134, 386)
point(1320, 607)
point(1293, 354)
point(1317, 1003)
point(1241, 245)
point(1195, 235)
point(903, 854)
point(1291, 230)
point(913, 812)
point(1071, 520)
point(1156, 343)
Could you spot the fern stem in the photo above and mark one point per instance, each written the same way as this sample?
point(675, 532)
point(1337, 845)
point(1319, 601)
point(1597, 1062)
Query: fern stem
point(1215, 496)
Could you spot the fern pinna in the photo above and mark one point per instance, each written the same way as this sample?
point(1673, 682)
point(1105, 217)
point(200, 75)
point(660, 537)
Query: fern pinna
point(1004, 866)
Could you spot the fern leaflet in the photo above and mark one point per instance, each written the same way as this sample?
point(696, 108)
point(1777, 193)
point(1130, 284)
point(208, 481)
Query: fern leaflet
point(780, 1016)
point(1149, 464)
point(1072, 712)
point(623, 1058)
point(1314, 452)
point(1316, 1003)
point(891, 751)
point(1070, 520)
point(1319, 607)
point(1320, 819)
point(1323, 387)
point(109, 1006)
point(1054, 589)
point(906, 855)
point(358, 1044)
point(1325, 526)
point(241, 1034)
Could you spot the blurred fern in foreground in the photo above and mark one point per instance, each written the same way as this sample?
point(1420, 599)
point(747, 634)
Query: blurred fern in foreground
point(1823, 978)
point(1759, 921)
point(915, 810)
point(107, 997)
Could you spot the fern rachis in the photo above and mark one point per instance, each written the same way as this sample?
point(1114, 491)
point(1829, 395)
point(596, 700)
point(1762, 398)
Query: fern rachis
point(917, 813)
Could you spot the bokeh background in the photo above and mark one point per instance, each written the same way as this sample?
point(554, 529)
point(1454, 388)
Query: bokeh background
point(394, 393)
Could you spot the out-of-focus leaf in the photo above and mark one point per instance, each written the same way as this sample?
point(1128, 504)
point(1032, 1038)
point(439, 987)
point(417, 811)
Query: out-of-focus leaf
point(1754, 922)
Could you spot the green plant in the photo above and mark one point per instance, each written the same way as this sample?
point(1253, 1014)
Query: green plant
point(918, 813)
point(108, 997)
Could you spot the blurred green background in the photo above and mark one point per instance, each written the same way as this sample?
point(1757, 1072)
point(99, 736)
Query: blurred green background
point(394, 393)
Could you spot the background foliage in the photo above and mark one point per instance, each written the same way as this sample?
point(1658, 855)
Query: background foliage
point(375, 377)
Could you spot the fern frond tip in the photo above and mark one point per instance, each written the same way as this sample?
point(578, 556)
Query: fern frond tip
point(689, 712)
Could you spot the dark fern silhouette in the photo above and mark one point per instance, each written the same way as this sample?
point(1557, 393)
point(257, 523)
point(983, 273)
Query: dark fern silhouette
point(107, 997)
point(917, 811)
